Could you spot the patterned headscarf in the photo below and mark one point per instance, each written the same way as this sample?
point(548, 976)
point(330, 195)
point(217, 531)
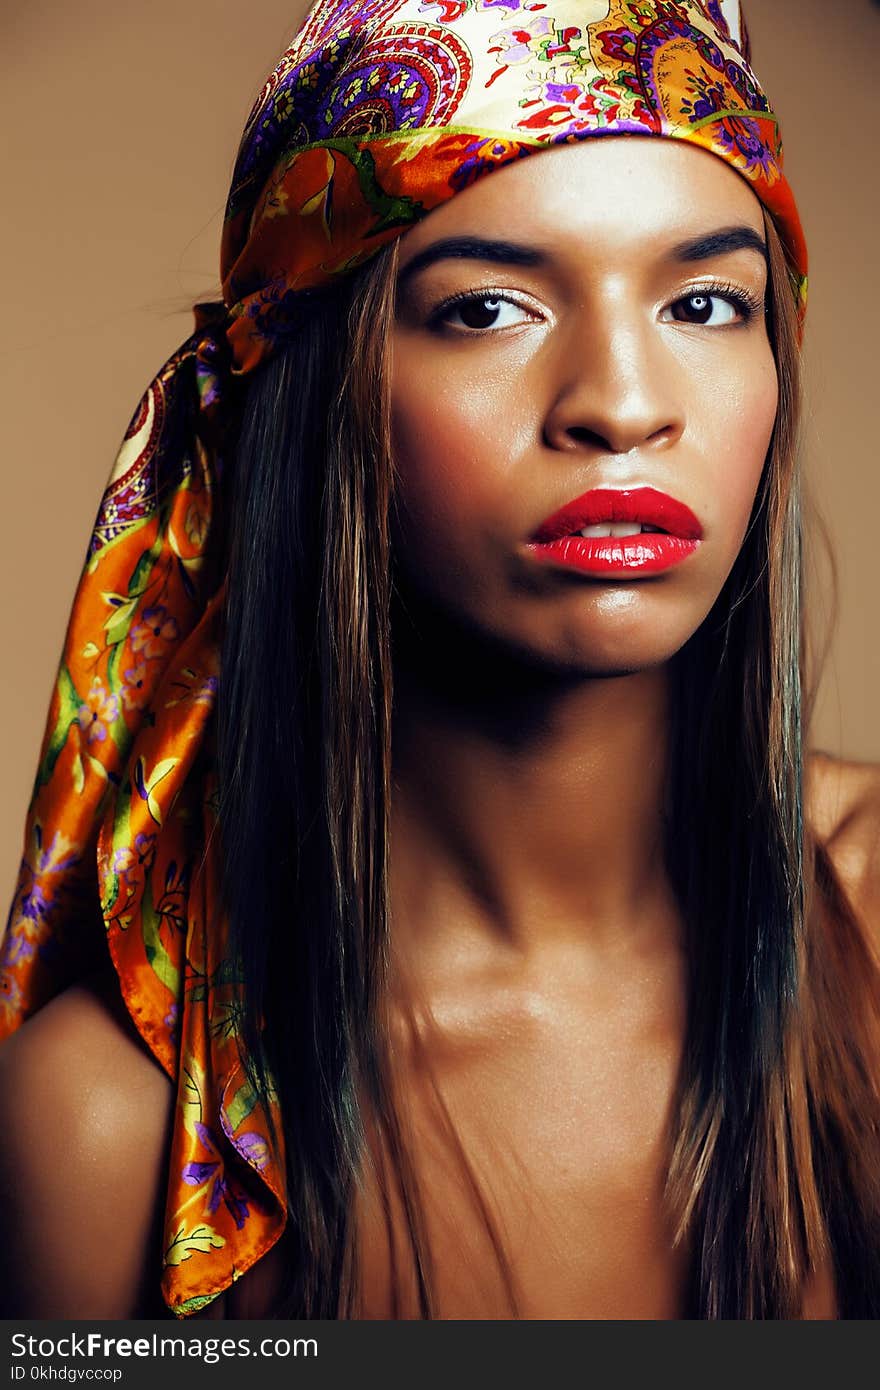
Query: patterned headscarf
point(378, 112)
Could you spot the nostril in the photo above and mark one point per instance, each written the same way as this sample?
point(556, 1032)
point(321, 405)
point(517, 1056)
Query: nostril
point(582, 435)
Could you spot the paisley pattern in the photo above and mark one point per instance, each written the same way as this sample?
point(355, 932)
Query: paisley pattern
point(378, 112)
point(409, 77)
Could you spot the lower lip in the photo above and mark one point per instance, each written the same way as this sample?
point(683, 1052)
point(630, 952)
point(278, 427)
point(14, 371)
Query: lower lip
point(647, 553)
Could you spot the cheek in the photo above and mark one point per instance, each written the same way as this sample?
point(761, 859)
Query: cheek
point(736, 428)
point(453, 445)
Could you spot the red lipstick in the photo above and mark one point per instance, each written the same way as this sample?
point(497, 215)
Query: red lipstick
point(677, 532)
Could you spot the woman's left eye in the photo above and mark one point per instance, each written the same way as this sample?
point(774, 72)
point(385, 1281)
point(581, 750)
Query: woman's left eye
point(704, 308)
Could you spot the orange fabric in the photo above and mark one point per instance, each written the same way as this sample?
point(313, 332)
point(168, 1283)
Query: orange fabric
point(120, 835)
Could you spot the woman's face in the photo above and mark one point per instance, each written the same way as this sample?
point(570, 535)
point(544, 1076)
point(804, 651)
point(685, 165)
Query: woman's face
point(588, 317)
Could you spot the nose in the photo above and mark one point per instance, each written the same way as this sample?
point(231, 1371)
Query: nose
point(615, 387)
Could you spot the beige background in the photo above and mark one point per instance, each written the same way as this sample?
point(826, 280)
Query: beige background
point(120, 128)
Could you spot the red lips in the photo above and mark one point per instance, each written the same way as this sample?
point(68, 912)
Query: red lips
point(642, 555)
point(642, 504)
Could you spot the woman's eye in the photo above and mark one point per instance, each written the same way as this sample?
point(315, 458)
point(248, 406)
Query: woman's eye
point(482, 311)
point(704, 308)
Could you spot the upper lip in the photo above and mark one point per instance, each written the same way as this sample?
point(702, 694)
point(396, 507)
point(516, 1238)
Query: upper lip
point(643, 504)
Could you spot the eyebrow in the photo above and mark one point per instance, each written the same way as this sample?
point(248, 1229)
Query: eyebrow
point(473, 248)
point(718, 243)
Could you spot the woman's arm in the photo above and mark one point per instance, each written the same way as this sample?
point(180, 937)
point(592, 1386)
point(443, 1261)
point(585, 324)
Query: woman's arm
point(85, 1127)
point(843, 799)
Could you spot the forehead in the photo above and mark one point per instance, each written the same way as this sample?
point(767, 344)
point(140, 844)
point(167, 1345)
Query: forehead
point(626, 195)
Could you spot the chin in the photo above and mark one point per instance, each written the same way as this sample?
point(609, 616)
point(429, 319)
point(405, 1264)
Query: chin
point(575, 658)
point(620, 645)
point(608, 665)
point(620, 637)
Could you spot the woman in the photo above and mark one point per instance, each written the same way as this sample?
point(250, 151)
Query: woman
point(503, 952)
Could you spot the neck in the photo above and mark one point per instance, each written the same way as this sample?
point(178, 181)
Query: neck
point(527, 806)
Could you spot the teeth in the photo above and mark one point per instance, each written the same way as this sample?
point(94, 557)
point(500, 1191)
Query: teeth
point(613, 528)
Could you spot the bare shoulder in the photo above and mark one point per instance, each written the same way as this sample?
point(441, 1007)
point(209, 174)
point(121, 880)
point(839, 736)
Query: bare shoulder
point(85, 1127)
point(842, 803)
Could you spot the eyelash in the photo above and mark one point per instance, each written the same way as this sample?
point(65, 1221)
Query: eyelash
point(747, 304)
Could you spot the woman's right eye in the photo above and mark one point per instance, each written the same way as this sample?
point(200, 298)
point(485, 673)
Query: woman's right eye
point(478, 312)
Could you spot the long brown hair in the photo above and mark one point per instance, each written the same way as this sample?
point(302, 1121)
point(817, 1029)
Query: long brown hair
point(774, 1142)
point(773, 1165)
